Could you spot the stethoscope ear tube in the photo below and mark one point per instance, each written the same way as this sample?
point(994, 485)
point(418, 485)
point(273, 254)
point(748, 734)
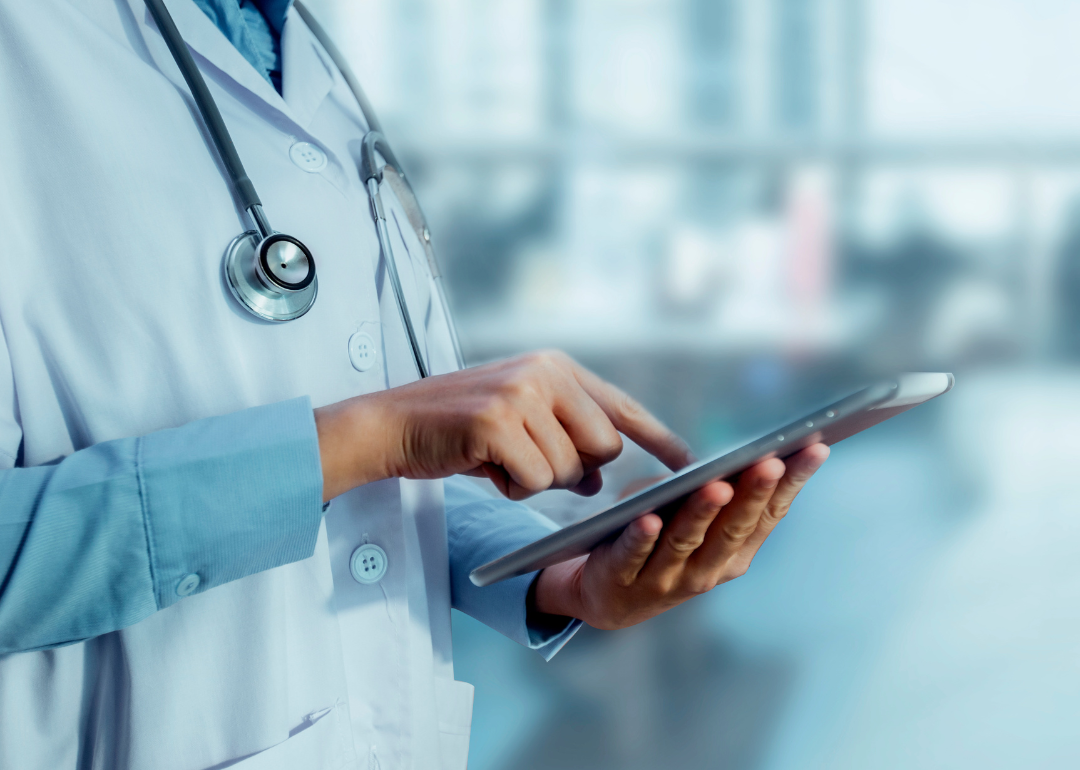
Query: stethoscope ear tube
point(407, 198)
point(375, 144)
point(372, 174)
point(383, 232)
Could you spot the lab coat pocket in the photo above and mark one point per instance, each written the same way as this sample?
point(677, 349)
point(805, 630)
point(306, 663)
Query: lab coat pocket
point(326, 744)
point(454, 701)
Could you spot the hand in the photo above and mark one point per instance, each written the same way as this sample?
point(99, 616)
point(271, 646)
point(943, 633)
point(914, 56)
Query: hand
point(530, 423)
point(651, 568)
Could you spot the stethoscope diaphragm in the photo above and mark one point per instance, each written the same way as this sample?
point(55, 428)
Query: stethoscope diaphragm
point(273, 277)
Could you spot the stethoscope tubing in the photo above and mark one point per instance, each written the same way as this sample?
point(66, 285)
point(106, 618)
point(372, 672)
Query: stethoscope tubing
point(206, 105)
point(371, 175)
point(374, 141)
point(383, 233)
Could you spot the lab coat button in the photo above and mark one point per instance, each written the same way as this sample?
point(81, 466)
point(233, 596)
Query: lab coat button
point(308, 157)
point(188, 584)
point(362, 351)
point(368, 564)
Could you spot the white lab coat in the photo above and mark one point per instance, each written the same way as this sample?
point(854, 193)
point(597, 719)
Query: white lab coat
point(116, 322)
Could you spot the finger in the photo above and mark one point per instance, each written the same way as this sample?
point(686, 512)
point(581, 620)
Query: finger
point(516, 465)
point(632, 548)
point(589, 485)
point(552, 440)
point(588, 426)
point(631, 418)
point(739, 519)
point(686, 531)
point(800, 467)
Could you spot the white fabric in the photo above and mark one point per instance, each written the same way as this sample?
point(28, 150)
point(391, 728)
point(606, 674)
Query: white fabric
point(116, 322)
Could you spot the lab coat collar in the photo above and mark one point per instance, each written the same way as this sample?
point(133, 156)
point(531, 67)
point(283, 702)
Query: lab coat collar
point(308, 72)
point(307, 76)
point(209, 43)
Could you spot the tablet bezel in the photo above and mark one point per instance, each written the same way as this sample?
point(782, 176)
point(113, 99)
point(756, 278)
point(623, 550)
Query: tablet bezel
point(827, 425)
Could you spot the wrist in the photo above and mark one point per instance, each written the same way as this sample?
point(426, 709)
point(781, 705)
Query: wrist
point(356, 445)
point(557, 590)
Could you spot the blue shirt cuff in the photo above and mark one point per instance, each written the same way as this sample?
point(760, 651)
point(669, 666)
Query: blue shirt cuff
point(548, 633)
point(230, 496)
point(481, 528)
point(113, 532)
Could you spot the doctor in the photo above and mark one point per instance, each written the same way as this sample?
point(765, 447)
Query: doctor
point(175, 594)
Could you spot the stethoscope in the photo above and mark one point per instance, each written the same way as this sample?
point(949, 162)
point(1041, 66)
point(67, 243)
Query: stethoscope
point(272, 275)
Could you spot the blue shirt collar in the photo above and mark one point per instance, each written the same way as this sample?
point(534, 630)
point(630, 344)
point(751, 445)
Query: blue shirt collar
point(254, 27)
point(224, 13)
point(275, 12)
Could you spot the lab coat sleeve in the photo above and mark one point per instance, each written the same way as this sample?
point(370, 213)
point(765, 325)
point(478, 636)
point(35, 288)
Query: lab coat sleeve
point(481, 528)
point(108, 535)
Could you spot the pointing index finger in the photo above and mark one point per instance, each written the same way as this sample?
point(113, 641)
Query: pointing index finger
point(633, 420)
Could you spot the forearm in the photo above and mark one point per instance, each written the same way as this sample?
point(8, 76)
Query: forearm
point(112, 533)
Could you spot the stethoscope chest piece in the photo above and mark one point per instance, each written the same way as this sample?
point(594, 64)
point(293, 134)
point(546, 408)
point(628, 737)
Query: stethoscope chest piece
point(273, 278)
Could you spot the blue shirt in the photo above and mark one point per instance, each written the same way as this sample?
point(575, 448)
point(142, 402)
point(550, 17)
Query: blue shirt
point(254, 27)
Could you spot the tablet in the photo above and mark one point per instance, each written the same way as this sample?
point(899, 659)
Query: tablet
point(828, 425)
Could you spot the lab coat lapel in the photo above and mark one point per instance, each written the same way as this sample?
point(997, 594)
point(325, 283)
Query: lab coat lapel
point(208, 42)
point(308, 72)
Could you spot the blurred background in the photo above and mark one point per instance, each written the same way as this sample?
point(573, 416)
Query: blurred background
point(738, 210)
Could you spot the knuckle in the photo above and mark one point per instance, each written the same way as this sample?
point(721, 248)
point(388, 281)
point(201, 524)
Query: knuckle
point(534, 360)
point(661, 588)
point(517, 389)
point(492, 412)
point(700, 585)
point(630, 407)
point(735, 568)
point(737, 571)
point(542, 360)
point(777, 512)
point(681, 544)
point(738, 531)
point(554, 357)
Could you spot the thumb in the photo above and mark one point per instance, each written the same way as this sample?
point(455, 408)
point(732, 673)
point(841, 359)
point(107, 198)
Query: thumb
point(631, 550)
